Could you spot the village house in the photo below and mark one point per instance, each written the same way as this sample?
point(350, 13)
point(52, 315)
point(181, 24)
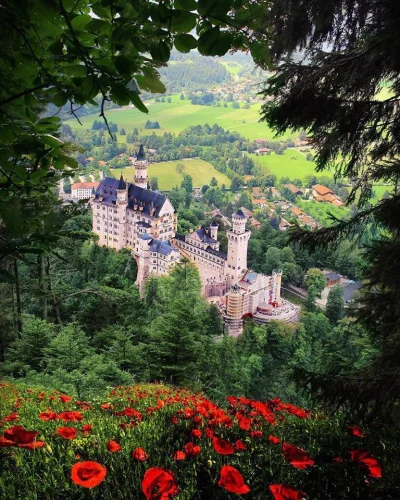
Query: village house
point(274, 192)
point(294, 189)
point(262, 151)
point(258, 193)
point(259, 203)
point(284, 225)
point(323, 193)
point(83, 190)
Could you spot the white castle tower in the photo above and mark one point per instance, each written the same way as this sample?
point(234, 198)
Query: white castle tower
point(141, 165)
point(238, 239)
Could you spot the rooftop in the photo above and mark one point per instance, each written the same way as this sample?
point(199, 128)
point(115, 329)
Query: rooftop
point(85, 185)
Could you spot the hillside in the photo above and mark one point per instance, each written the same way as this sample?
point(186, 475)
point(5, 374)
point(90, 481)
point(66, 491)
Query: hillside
point(160, 442)
point(180, 114)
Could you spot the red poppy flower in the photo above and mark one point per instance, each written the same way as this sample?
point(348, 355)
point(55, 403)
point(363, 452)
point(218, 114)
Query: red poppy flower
point(48, 415)
point(274, 439)
point(197, 433)
point(282, 492)
point(88, 474)
point(179, 455)
point(87, 428)
point(33, 445)
point(11, 418)
point(256, 434)
point(209, 433)
point(191, 450)
point(159, 484)
point(338, 460)
point(6, 442)
point(175, 420)
point(245, 423)
point(106, 406)
point(19, 435)
point(239, 445)
point(140, 455)
point(65, 399)
point(113, 446)
point(67, 432)
point(296, 456)
point(353, 430)
point(71, 416)
point(232, 480)
point(367, 462)
point(222, 447)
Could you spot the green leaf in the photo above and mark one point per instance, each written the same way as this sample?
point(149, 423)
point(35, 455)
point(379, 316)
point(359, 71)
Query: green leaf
point(160, 52)
point(135, 99)
point(151, 84)
point(185, 42)
point(79, 22)
point(52, 141)
point(183, 21)
point(186, 4)
point(214, 8)
point(213, 42)
point(38, 174)
point(77, 70)
point(120, 94)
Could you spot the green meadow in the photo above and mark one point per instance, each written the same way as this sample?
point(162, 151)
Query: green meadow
point(180, 114)
point(201, 171)
point(291, 164)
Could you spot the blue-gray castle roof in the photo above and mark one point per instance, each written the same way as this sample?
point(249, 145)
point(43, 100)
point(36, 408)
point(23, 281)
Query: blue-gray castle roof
point(240, 214)
point(145, 198)
point(204, 236)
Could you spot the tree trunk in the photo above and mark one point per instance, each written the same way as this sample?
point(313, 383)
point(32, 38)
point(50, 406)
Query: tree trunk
point(42, 286)
point(56, 311)
point(18, 296)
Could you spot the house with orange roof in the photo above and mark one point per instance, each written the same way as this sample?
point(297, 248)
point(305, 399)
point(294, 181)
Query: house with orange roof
point(83, 190)
point(323, 193)
point(294, 189)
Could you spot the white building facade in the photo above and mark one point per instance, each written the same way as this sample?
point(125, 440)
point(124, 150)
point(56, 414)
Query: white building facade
point(128, 215)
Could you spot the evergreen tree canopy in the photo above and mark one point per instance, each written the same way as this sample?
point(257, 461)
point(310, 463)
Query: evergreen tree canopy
point(333, 59)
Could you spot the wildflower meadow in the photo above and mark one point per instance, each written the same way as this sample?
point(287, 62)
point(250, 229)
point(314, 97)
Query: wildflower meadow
point(158, 442)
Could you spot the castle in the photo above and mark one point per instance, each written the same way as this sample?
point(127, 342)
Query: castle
point(128, 215)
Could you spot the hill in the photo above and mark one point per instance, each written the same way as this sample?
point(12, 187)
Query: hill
point(158, 442)
point(180, 114)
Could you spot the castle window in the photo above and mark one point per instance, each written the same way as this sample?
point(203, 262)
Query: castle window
point(98, 228)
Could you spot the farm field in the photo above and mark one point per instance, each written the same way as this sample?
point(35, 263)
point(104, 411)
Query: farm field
point(320, 211)
point(285, 166)
point(200, 170)
point(180, 114)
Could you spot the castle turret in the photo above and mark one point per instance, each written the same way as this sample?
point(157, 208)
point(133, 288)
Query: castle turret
point(214, 230)
point(122, 192)
point(143, 262)
point(141, 165)
point(238, 239)
point(234, 311)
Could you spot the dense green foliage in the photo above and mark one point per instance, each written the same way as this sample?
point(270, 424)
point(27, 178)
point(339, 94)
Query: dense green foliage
point(333, 95)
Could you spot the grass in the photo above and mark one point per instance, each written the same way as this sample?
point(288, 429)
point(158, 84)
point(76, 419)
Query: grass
point(201, 171)
point(181, 114)
point(320, 211)
point(285, 166)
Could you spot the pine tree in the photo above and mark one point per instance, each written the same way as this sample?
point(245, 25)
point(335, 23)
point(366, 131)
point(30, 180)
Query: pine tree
point(333, 95)
point(335, 304)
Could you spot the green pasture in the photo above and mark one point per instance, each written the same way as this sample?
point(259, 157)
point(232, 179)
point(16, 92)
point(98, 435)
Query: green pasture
point(178, 115)
point(320, 211)
point(291, 164)
point(201, 171)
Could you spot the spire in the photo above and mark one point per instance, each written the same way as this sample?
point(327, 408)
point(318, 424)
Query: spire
point(121, 184)
point(141, 155)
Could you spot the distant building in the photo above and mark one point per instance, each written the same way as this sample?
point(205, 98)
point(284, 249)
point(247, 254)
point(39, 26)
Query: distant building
point(284, 225)
point(258, 193)
point(248, 213)
point(262, 151)
point(294, 189)
point(323, 193)
point(332, 278)
point(275, 193)
point(83, 190)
